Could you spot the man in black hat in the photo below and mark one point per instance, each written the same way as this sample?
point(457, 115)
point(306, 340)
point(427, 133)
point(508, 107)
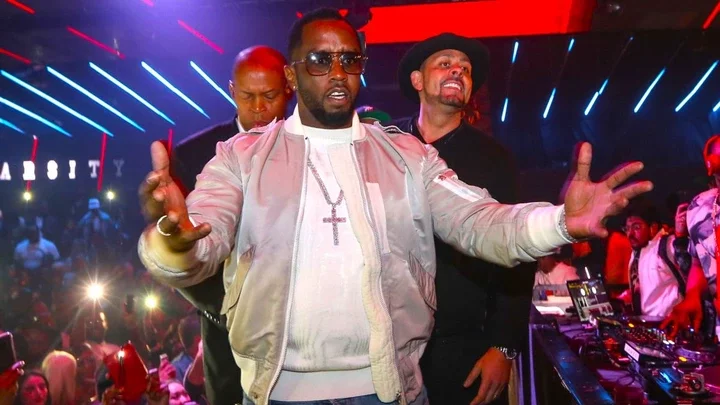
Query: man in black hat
point(482, 317)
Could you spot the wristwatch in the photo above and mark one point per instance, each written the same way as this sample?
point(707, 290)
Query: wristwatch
point(510, 354)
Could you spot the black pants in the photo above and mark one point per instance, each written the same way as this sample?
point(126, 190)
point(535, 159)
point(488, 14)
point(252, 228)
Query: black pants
point(222, 375)
point(446, 364)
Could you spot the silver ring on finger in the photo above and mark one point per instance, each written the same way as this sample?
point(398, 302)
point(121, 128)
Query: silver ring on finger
point(159, 229)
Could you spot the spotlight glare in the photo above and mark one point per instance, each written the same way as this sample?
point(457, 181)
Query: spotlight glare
point(110, 195)
point(95, 291)
point(151, 302)
point(27, 196)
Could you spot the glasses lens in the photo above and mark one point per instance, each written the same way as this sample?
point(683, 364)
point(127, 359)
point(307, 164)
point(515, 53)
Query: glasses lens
point(318, 63)
point(353, 63)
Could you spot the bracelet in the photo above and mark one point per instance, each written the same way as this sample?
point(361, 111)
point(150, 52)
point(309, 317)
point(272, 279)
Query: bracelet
point(157, 226)
point(562, 227)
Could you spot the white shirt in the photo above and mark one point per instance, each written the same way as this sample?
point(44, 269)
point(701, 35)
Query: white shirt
point(659, 291)
point(559, 275)
point(327, 353)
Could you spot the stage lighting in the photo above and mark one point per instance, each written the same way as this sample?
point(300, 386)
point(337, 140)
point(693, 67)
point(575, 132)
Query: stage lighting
point(151, 302)
point(649, 90)
point(95, 291)
point(172, 88)
point(11, 125)
point(110, 195)
point(27, 196)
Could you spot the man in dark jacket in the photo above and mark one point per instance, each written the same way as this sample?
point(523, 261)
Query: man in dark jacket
point(261, 94)
point(482, 318)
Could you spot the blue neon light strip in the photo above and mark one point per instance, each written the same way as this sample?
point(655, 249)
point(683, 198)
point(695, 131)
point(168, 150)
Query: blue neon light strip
point(592, 102)
point(93, 97)
point(549, 103)
point(216, 87)
point(33, 116)
point(172, 88)
point(515, 51)
point(11, 125)
point(505, 106)
point(130, 92)
point(649, 90)
point(697, 87)
point(56, 103)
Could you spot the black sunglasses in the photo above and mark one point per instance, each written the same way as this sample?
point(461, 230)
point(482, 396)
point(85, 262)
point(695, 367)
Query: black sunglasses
point(320, 63)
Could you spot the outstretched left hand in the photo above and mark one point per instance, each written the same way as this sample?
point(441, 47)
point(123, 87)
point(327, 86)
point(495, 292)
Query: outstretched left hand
point(588, 204)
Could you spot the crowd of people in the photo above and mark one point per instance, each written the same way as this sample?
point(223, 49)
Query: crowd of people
point(73, 293)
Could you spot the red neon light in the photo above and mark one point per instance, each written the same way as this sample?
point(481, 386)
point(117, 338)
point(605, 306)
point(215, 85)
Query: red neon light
point(149, 2)
point(202, 37)
point(298, 14)
point(102, 162)
point(96, 42)
point(15, 56)
point(170, 139)
point(712, 16)
point(477, 19)
point(33, 154)
point(21, 6)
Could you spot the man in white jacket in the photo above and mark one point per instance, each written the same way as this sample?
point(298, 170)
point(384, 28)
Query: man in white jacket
point(325, 226)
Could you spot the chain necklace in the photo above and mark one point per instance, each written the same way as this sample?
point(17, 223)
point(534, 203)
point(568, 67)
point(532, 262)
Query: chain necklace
point(333, 218)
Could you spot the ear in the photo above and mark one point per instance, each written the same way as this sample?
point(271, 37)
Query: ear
point(290, 77)
point(416, 79)
point(231, 89)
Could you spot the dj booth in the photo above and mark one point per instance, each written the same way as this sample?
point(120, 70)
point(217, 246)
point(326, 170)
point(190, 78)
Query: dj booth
point(581, 352)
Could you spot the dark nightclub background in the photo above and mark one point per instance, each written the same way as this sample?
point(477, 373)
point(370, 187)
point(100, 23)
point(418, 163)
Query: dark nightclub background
point(565, 49)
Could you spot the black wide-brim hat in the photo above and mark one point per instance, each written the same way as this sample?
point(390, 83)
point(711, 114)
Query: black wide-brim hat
point(415, 56)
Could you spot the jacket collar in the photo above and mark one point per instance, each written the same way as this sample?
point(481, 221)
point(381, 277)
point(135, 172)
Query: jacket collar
point(293, 125)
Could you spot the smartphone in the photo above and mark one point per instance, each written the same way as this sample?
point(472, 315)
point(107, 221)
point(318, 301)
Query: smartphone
point(127, 371)
point(8, 357)
point(129, 303)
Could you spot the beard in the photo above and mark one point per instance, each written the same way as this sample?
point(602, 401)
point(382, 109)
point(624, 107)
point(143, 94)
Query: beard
point(452, 102)
point(334, 119)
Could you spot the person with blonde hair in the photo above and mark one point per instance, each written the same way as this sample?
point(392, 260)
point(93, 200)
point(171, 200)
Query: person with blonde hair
point(60, 368)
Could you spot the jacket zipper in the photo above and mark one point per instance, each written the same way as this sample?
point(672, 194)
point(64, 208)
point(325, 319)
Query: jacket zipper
point(371, 222)
point(292, 274)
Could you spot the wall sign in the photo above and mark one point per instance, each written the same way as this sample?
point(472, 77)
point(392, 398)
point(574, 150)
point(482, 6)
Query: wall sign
point(54, 170)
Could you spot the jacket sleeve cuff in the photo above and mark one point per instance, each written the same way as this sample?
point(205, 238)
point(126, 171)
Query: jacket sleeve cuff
point(175, 268)
point(544, 228)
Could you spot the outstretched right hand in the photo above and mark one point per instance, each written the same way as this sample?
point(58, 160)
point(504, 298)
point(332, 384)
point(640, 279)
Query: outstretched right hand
point(160, 196)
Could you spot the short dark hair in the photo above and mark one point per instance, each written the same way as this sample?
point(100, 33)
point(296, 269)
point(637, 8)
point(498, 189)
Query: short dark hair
point(188, 329)
point(643, 209)
point(320, 14)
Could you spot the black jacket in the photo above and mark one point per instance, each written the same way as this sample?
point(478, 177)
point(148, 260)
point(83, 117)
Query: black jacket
point(474, 297)
point(222, 375)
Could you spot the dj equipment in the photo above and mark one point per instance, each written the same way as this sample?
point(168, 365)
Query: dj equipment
point(640, 339)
